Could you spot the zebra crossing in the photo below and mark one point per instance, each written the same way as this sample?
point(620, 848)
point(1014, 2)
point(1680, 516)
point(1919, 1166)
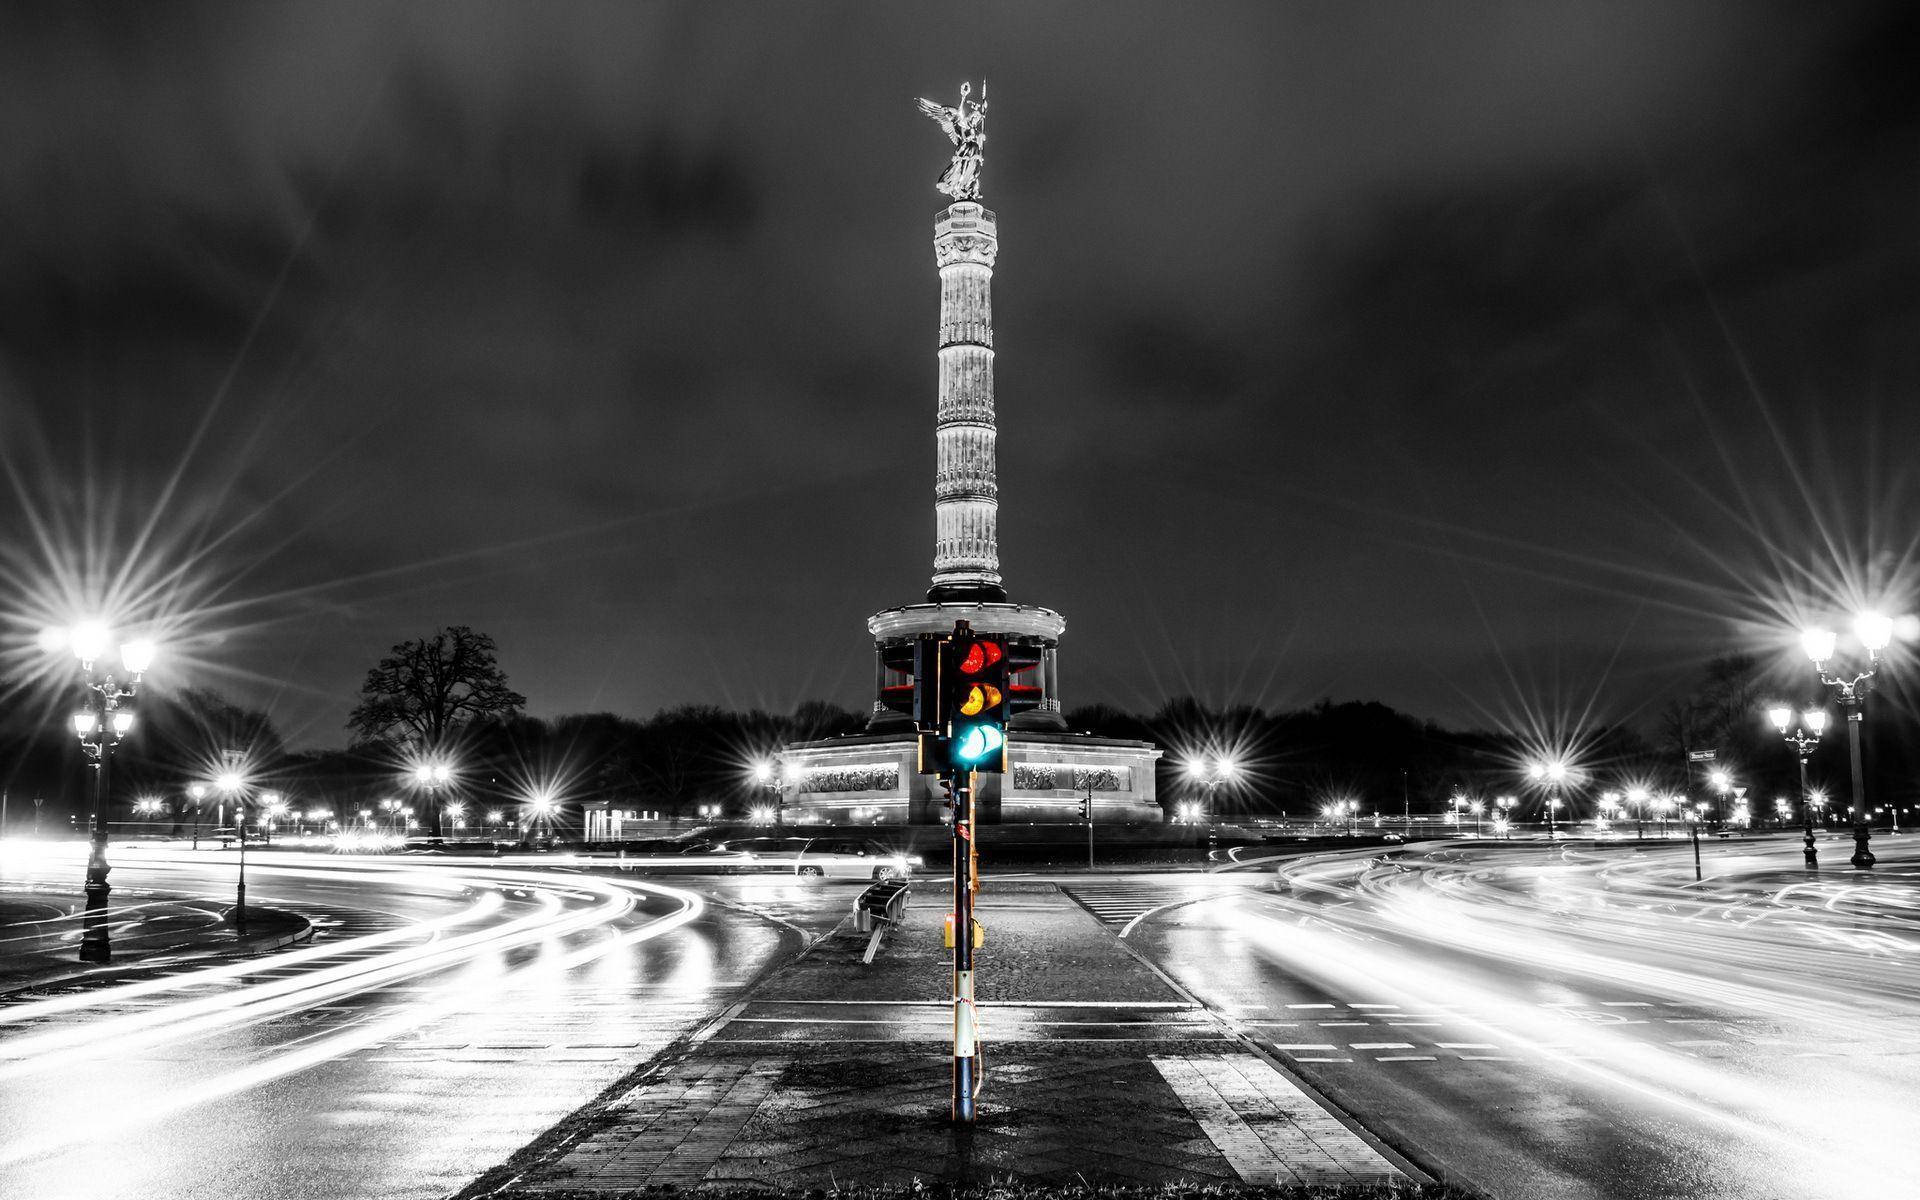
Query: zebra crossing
point(1119, 902)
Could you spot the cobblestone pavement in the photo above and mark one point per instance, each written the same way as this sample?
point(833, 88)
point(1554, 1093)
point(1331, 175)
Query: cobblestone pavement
point(1096, 1070)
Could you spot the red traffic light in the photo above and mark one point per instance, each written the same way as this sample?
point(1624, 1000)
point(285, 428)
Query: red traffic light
point(980, 656)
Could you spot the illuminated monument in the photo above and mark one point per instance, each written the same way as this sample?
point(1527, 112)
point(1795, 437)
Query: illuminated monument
point(873, 776)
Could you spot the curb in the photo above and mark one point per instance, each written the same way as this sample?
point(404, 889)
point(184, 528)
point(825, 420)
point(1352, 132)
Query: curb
point(249, 948)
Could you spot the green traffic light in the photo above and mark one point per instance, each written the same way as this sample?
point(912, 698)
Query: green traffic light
point(978, 743)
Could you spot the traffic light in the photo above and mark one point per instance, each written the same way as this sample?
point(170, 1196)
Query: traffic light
point(1021, 694)
point(974, 689)
point(919, 696)
point(1086, 807)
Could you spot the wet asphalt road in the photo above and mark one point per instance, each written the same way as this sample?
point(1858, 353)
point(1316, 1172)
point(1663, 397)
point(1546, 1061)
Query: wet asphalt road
point(1559, 1022)
point(1533, 1021)
point(446, 1015)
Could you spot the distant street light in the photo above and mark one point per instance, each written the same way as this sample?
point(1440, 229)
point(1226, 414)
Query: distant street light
point(233, 784)
point(105, 717)
point(1815, 721)
point(1503, 825)
point(1550, 775)
point(767, 774)
point(1874, 632)
point(432, 776)
point(1210, 771)
point(1476, 808)
point(1637, 798)
point(541, 807)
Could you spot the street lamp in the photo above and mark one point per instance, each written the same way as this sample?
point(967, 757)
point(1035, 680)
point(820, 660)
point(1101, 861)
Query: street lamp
point(233, 784)
point(1504, 822)
point(1637, 798)
point(1550, 775)
point(106, 716)
point(432, 776)
point(766, 773)
point(1210, 771)
point(272, 807)
point(1476, 808)
point(540, 810)
point(1874, 632)
point(1815, 721)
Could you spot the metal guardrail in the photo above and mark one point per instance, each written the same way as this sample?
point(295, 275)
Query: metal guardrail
point(878, 909)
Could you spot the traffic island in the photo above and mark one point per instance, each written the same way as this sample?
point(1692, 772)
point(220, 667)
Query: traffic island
point(833, 1079)
point(43, 933)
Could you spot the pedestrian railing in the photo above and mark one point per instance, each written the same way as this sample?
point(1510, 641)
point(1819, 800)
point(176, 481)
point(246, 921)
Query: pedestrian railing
point(877, 910)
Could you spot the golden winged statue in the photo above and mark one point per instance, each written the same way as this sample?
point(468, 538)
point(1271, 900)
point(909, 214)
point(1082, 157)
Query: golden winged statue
point(965, 124)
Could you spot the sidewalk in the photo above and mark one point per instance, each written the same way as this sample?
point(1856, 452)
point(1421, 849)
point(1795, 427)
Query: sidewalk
point(835, 1074)
point(40, 935)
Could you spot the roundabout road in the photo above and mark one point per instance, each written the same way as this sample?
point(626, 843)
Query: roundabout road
point(447, 1012)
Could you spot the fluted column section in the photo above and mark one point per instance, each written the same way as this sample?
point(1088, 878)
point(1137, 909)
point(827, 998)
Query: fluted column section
point(966, 554)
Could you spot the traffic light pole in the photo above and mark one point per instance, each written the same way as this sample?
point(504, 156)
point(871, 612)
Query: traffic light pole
point(965, 1035)
point(1089, 827)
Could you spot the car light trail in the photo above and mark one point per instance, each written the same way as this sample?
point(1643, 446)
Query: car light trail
point(565, 908)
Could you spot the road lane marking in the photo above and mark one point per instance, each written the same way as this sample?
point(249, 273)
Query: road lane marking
point(1405, 1058)
point(1379, 1045)
point(1267, 1128)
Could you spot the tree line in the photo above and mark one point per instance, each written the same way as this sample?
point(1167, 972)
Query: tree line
point(444, 698)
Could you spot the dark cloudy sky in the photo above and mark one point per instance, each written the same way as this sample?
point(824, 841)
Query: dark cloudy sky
point(1497, 361)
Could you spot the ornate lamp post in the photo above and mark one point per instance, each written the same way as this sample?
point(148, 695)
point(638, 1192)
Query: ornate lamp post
point(1504, 823)
point(106, 716)
point(1210, 771)
point(766, 773)
point(233, 785)
point(432, 776)
point(1874, 632)
point(1476, 808)
point(1815, 720)
point(1550, 775)
point(1637, 800)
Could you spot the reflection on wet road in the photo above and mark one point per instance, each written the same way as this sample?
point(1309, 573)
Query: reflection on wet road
point(447, 1014)
point(1557, 1022)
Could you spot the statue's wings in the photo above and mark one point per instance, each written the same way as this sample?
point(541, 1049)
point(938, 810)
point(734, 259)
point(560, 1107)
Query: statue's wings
point(947, 118)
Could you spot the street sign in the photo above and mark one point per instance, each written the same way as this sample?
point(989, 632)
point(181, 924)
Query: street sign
point(1699, 756)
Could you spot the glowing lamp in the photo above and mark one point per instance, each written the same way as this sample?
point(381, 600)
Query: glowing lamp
point(980, 697)
point(122, 722)
point(1816, 720)
point(978, 744)
point(1781, 716)
point(1873, 630)
point(138, 656)
point(980, 656)
point(84, 723)
point(1818, 643)
point(89, 640)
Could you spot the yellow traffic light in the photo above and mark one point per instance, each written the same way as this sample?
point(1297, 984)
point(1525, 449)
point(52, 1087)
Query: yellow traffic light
point(980, 697)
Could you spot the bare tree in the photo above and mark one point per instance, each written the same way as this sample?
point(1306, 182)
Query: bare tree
point(426, 690)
